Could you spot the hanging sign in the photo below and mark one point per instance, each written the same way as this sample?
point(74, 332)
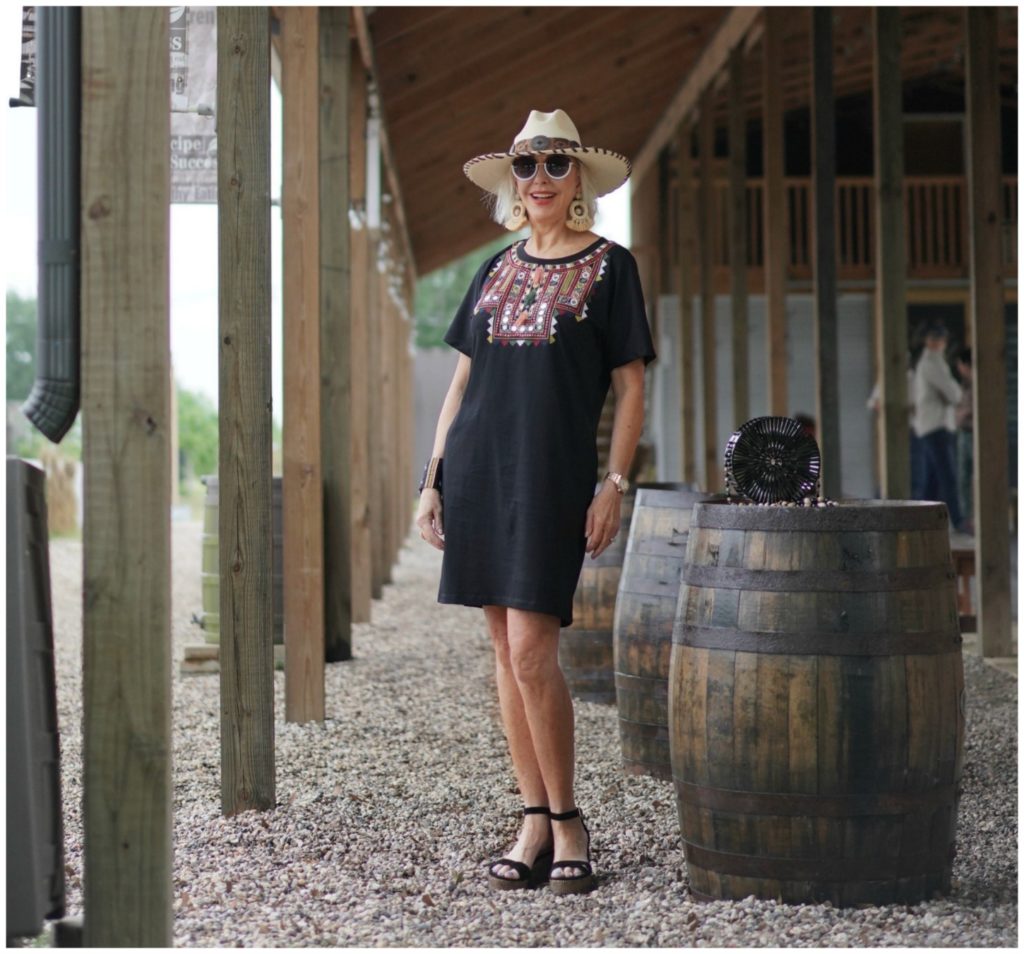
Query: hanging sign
point(193, 73)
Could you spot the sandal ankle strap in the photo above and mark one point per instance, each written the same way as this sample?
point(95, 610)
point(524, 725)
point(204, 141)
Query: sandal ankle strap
point(565, 816)
point(537, 810)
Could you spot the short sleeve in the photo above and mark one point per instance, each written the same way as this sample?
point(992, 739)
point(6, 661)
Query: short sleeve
point(460, 332)
point(628, 335)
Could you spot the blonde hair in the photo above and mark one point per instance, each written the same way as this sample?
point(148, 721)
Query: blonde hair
point(504, 196)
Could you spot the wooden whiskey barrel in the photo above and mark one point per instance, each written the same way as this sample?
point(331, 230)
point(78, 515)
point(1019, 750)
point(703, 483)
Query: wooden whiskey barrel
point(642, 630)
point(817, 702)
point(585, 648)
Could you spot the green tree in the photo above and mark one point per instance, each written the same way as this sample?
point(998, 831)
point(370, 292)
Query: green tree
point(21, 346)
point(198, 434)
point(439, 294)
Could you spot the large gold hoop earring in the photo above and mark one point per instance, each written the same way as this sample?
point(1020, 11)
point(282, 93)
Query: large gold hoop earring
point(579, 218)
point(517, 217)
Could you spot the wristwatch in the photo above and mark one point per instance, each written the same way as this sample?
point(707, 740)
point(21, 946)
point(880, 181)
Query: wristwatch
point(620, 482)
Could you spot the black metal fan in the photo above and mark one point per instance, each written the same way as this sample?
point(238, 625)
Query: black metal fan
point(771, 460)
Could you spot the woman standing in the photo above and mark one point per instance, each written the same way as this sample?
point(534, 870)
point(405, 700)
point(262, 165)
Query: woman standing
point(545, 327)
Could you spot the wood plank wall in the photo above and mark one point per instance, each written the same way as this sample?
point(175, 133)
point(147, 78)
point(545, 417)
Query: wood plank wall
point(126, 613)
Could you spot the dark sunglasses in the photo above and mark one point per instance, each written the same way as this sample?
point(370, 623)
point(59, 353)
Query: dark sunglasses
point(524, 168)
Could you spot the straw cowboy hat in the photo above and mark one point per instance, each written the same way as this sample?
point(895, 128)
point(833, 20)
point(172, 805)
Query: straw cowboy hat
point(543, 134)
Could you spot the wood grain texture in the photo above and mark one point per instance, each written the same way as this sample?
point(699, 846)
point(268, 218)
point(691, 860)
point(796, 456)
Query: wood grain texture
point(729, 33)
point(244, 479)
point(688, 230)
point(336, 357)
point(890, 255)
point(807, 769)
point(825, 281)
point(712, 477)
point(738, 226)
point(644, 614)
point(303, 471)
point(585, 649)
point(991, 457)
point(776, 250)
point(359, 340)
point(126, 691)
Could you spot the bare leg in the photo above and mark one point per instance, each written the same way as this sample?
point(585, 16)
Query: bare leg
point(533, 654)
point(535, 835)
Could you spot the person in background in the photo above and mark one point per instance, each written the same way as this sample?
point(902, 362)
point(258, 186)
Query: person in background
point(965, 439)
point(936, 395)
point(874, 405)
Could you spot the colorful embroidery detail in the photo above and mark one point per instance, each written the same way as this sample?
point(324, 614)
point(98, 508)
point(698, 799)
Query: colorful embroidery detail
point(524, 300)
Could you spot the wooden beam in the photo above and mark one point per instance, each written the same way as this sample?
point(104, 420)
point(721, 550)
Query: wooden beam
point(988, 334)
point(362, 31)
point(126, 615)
point(684, 282)
point(335, 330)
point(245, 466)
point(303, 472)
point(775, 218)
point(732, 31)
point(738, 240)
point(376, 499)
point(359, 366)
point(823, 254)
point(890, 256)
point(709, 344)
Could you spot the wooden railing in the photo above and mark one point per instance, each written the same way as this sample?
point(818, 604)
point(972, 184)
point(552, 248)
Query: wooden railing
point(936, 226)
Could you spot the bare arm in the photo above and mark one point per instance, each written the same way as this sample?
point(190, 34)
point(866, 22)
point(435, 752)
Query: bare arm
point(451, 405)
point(429, 516)
point(603, 515)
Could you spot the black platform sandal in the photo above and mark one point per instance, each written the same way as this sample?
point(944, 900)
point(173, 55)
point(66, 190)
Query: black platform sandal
point(573, 884)
point(529, 877)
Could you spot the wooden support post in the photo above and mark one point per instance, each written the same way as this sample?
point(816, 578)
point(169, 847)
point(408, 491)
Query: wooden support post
point(359, 367)
point(890, 256)
point(684, 282)
point(738, 240)
point(303, 473)
point(826, 331)
point(991, 461)
point(376, 499)
point(335, 331)
point(385, 317)
point(664, 225)
point(245, 465)
point(709, 354)
point(775, 218)
point(126, 658)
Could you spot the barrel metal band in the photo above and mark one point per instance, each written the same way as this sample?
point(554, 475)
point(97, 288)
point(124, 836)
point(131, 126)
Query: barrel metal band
point(644, 684)
point(810, 806)
point(880, 516)
point(825, 581)
point(843, 870)
point(820, 644)
point(644, 730)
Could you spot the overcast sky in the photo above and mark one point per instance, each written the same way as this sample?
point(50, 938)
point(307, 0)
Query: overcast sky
point(193, 232)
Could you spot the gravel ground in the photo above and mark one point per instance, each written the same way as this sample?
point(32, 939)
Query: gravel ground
point(389, 809)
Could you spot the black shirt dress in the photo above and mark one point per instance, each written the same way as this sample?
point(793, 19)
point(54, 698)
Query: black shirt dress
point(520, 459)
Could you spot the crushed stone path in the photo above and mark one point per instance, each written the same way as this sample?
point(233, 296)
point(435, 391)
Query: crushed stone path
point(388, 811)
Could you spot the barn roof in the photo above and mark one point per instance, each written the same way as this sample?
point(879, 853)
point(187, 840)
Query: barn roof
point(458, 81)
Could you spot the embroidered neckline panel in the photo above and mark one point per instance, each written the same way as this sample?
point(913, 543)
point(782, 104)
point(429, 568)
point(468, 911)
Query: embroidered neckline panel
point(525, 300)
